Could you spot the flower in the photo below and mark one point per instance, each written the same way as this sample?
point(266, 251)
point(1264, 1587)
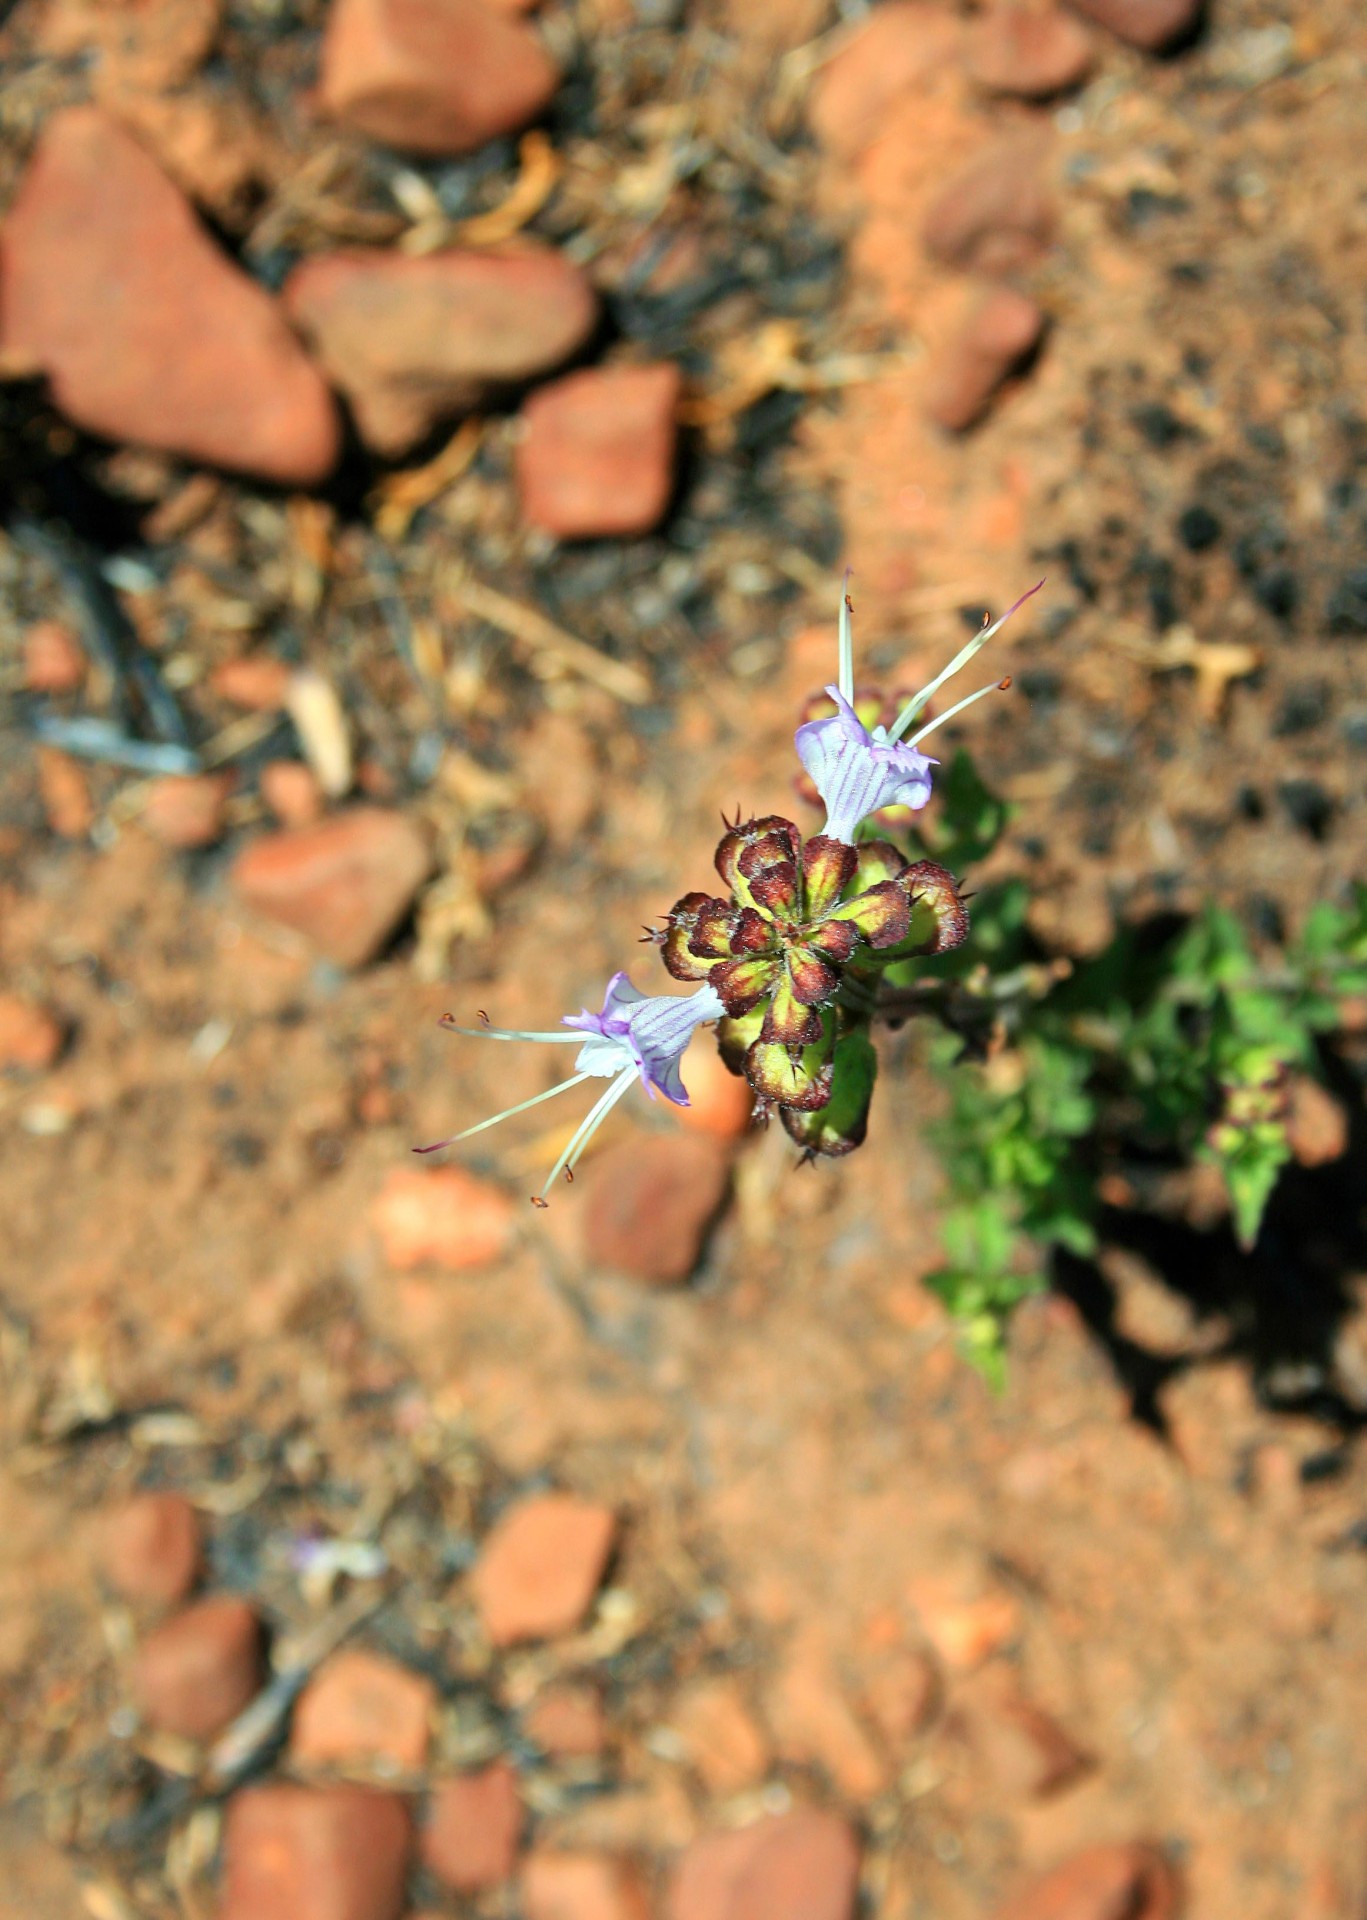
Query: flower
point(857, 770)
point(637, 1036)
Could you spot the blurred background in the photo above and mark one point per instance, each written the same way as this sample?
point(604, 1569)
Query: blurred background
point(432, 433)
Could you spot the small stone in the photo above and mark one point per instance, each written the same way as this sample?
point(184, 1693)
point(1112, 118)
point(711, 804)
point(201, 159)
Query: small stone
point(1027, 1753)
point(314, 1853)
point(1114, 1882)
point(722, 1739)
point(965, 1628)
point(30, 1037)
point(360, 1707)
point(996, 213)
point(473, 1827)
point(1028, 51)
point(964, 375)
point(291, 791)
point(197, 1671)
point(597, 451)
point(432, 76)
point(1317, 1127)
point(146, 330)
point(150, 1548)
point(894, 48)
point(259, 682)
point(581, 1886)
point(411, 341)
point(802, 1865)
point(54, 660)
point(441, 1216)
point(567, 1722)
point(65, 794)
point(1154, 25)
point(649, 1201)
point(539, 1568)
point(187, 810)
point(721, 1103)
point(344, 884)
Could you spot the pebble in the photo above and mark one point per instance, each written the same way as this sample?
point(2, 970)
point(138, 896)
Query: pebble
point(1114, 1882)
point(360, 1707)
point(432, 76)
point(442, 1216)
point(199, 1669)
point(187, 810)
point(30, 1037)
point(259, 682)
point(54, 660)
point(567, 1722)
point(473, 1827)
point(964, 374)
point(895, 46)
point(1154, 25)
point(146, 330)
point(539, 1568)
point(65, 793)
point(596, 454)
point(996, 213)
point(344, 884)
point(1317, 1126)
point(291, 791)
point(1029, 52)
point(151, 1548)
point(135, 46)
point(649, 1201)
point(411, 341)
point(802, 1865)
point(721, 1103)
point(314, 1853)
point(722, 1740)
point(581, 1886)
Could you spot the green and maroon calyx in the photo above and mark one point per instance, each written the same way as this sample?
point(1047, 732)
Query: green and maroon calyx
point(793, 947)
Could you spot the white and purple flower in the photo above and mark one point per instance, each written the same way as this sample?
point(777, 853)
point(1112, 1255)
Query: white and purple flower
point(637, 1036)
point(858, 770)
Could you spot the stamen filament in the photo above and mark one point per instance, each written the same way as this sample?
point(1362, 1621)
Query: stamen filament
point(997, 686)
point(961, 659)
point(507, 1113)
point(845, 675)
point(586, 1129)
point(511, 1033)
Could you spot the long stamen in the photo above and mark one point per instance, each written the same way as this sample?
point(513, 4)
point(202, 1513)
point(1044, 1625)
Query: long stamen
point(507, 1113)
point(510, 1033)
point(845, 675)
point(997, 686)
point(961, 659)
point(586, 1129)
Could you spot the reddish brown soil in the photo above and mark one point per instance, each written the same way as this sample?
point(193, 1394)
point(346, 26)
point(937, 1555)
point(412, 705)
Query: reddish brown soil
point(816, 1490)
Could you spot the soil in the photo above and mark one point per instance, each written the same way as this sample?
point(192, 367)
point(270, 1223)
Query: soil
point(1156, 1531)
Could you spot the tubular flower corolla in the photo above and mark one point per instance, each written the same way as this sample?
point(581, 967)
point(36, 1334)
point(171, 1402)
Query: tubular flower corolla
point(637, 1036)
point(858, 770)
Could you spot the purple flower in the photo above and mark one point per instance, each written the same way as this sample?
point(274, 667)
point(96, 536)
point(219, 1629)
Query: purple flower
point(637, 1036)
point(857, 771)
point(646, 1031)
